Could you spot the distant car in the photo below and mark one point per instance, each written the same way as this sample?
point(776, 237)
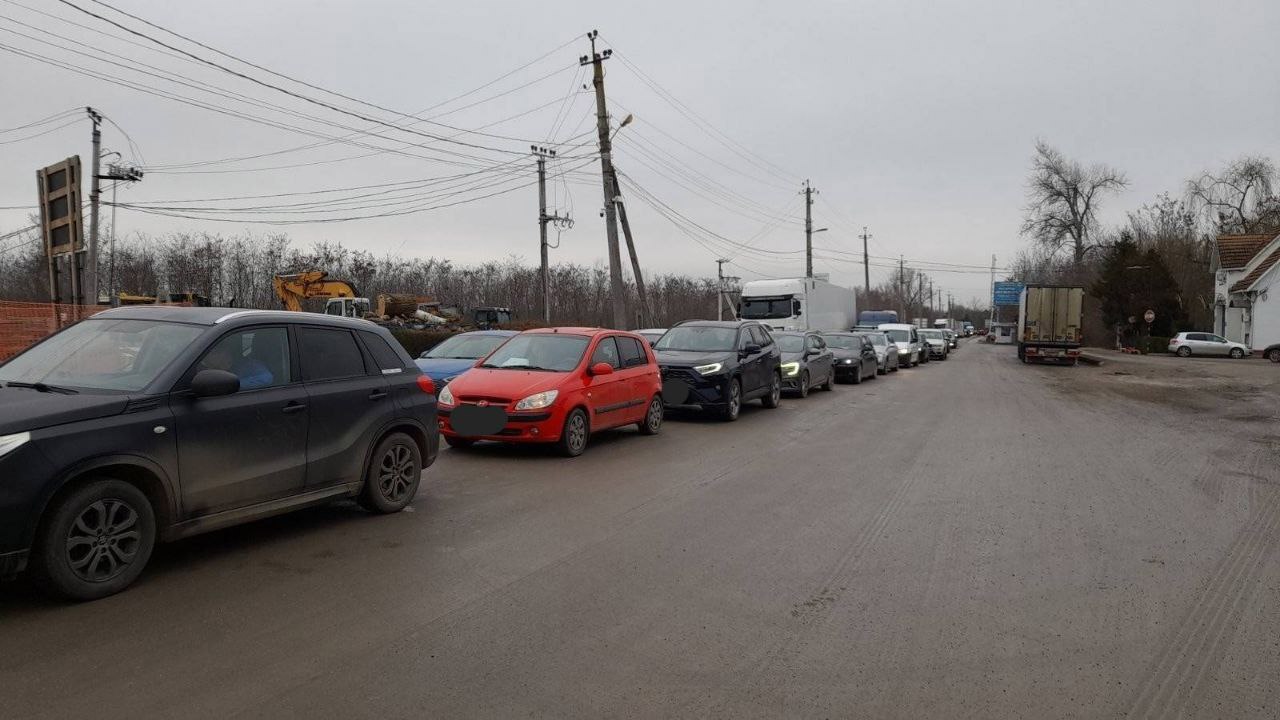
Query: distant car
point(936, 342)
point(1186, 344)
point(886, 352)
point(953, 340)
point(1272, 353)
point(555, 385)
point(459, 354)
point(854, 356)
point(806, 362)
point(907, 339)
point(968, 329)
point(154, 423)
point(717, 365)
point(651, 335)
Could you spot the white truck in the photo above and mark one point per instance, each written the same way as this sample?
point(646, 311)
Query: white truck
point(799, 304)
point(1049, 318)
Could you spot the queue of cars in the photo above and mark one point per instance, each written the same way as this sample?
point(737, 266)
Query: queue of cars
point(152, 423)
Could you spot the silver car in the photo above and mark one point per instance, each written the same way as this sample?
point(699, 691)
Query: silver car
point(1186, 344)
point(886, 352)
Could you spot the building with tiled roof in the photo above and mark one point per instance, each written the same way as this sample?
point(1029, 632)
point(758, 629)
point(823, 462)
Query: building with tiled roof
point(1246, 270)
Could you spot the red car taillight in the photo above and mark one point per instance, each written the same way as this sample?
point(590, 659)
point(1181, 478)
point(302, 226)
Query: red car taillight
point(425, 384)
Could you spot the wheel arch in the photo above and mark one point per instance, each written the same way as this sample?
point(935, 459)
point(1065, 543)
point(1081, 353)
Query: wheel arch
point(138, 471)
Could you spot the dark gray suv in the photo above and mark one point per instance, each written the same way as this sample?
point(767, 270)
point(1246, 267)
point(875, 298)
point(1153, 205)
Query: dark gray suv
point(154, 423)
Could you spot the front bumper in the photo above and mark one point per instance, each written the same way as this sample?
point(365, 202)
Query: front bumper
point(527, 427)
point(683, 388)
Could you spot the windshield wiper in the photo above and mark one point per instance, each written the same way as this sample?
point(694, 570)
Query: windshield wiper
point(520, 367)
point(42, 387)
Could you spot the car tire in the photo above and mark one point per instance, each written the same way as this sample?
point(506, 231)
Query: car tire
point(95, 541)
point(459, 443)
point(857, 375)
point(830, 384)
point(883, 369)
point(1236, 353)
point(652, 422)
point(575, 434)
point(392, 478)
point(804, 384)
point(774, 397)
point(1274, 355)
point(1184, 352)
point(733, 408)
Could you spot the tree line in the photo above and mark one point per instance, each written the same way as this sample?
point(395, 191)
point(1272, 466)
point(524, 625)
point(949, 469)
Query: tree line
point(237, 270)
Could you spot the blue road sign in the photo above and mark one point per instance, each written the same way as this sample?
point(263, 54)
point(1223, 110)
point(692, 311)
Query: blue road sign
point(1007, 293)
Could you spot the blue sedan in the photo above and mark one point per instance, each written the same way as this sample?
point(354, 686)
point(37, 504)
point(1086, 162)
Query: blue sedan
point(459, 353)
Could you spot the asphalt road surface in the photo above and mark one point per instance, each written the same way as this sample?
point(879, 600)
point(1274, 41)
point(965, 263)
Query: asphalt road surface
point(971, 538)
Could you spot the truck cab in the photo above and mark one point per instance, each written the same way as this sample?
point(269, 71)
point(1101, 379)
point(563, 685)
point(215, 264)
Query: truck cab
point(798, 304)
point(352, 307)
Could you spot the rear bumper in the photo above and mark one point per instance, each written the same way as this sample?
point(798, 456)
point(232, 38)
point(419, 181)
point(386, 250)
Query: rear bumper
point(12, 563)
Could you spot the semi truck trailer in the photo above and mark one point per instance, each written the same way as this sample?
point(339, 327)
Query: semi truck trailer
point(1049, 318)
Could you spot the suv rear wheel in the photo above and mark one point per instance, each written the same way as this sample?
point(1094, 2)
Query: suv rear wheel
point(95, 541)
point(391, 480)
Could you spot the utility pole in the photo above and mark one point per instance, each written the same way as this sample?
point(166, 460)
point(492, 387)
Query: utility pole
point(642, 314)
point(91, 292)
point(720, 288)
point(542, 154)
point(933, 309)
point(902, 297)
point(808, 229)
point(866, 262)
point(118, 173)
point(596, 60)
point(992, 318)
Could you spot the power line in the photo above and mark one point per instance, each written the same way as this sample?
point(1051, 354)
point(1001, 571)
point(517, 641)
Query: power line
point(43, 121)
point(43, 132)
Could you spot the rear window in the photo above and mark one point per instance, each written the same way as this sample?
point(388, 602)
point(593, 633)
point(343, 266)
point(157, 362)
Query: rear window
point(329, 354)
point(631, 351)
point(384, 356)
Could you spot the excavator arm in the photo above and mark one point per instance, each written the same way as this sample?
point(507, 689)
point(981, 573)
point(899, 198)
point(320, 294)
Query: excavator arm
point(294, 288)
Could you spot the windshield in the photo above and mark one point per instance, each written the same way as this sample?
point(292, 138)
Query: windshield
point(899, 336)
point(790, 343)
point(761, 308)
point(539, 351)
point(844, 342)
point(878, 339)
point(103, 355)
point(699, 338)
point(466, 347)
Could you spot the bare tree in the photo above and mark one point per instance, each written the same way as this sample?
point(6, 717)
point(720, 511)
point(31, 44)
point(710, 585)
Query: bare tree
point(1063, 198)
point(1241, 198)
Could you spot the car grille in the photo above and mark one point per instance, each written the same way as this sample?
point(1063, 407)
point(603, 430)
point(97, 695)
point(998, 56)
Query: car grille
point(680, 374)
point(490, 399)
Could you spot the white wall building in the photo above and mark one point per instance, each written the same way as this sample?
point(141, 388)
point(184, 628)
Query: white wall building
point(1246, 271)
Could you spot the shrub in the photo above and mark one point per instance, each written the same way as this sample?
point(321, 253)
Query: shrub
point(1156, 344)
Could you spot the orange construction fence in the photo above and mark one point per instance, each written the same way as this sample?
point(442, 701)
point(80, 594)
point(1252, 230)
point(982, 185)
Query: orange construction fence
point(22, 323)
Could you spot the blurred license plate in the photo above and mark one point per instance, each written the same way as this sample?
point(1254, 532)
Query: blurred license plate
point(1051, 353)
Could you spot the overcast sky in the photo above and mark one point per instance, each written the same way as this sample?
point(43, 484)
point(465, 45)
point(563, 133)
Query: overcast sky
point(916, 119)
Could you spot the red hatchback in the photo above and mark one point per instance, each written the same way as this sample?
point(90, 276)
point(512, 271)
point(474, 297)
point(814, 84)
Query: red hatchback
point(555, 385)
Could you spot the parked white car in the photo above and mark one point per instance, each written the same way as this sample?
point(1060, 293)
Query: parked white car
point(908, 341)
point(1186, 344)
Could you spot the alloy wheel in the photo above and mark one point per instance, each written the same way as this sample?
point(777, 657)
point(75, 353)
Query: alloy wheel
point(653, 420)
point(103, 541)
point(577, 432)
point(396, 473)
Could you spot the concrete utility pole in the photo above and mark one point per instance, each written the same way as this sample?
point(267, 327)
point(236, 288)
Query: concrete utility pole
point(808, 229)
point(902, 296)
point(720, 288)
point(91, 291)
point(932, 308)
point(117, 173)
point(866, 262)
point(542, 154)
point(596, 60)
point(992, 318)
point(642, 313)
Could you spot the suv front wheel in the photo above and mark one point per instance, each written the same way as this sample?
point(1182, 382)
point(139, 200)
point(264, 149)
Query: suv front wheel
point(95, 541)
point(391, 480)
point(774, 398)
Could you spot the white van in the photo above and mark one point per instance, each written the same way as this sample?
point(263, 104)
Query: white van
point(908, 341)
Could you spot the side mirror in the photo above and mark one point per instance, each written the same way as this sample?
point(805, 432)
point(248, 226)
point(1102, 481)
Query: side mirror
point(751, 349)
point(601, 368)
point(214, 383)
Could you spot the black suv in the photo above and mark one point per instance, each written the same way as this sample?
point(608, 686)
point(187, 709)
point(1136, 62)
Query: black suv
point(156, 423)
point(718, 365)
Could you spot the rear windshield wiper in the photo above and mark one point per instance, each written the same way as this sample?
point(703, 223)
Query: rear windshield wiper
point(42, 387)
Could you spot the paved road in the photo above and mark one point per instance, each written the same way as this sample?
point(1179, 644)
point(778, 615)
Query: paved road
point(972, 538)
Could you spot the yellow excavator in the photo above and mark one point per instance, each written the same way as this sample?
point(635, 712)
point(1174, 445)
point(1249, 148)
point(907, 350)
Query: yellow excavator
point(343, 298)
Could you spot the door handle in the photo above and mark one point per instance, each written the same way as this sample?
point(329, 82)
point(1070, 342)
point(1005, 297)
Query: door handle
point(294, 407)
point(377, 394)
